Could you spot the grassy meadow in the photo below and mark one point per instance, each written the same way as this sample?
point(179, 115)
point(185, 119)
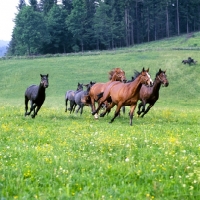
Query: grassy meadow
point(59, 155)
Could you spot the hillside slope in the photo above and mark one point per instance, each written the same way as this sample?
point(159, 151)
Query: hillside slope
point(65, 72)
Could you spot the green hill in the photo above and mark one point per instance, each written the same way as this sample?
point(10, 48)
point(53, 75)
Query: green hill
point(66, 71)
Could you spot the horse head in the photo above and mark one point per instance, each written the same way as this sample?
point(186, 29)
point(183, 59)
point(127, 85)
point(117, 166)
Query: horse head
point(146, 78)
point(79, 87)
point(89, 85)
point(117, 74)
point(162, 77)
point(44, 81)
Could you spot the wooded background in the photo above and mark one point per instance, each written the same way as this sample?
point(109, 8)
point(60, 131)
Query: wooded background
point(51, 26)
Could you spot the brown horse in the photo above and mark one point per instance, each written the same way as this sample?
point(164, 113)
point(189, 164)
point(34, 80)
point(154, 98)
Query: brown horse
point(117, 74)
point(149, 95)
point(124, 94)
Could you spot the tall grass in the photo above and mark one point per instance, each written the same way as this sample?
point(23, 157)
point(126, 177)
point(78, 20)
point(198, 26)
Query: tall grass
point(67, 156)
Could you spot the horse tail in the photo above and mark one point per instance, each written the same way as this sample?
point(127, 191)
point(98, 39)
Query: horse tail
point(99, 96)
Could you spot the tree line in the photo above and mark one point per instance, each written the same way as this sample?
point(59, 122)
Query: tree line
point(51, 26)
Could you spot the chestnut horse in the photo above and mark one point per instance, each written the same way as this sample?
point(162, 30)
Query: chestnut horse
point(117, 74)
point(149, 95)
point(124, 94)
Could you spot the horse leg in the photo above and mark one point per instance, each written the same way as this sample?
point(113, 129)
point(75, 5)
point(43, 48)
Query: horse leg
point(71, 105)
point(116, 112)
point(107, 110)
point(26, 105)
point(81, 109)
point(142, 104)
point(66, 100)
point(131, 114)
point(35, 112)
point(146, 111)
point(78, 108)
point(139, 106)
point(123, 109)
point(93, 105)
point(31, 108)
point(99, 106)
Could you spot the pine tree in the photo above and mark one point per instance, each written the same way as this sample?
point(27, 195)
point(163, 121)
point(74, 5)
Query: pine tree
point(29, 31)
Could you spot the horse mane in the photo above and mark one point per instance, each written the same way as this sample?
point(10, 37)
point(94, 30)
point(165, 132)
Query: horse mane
point(159, 72)
point(113, 71)
point(136, 74)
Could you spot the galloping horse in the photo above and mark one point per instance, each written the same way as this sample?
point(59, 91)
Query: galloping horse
point(117, 74)
point(69, 96)
point(124, 94)
point(36, 95)
point(149, 95)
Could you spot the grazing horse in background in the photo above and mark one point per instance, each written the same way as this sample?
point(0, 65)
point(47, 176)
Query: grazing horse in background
point(149, 95)
point(81, 97)
point(189, 61)
point(124, 94)
point(116, 74)
point(36, 95)
point(69, 96)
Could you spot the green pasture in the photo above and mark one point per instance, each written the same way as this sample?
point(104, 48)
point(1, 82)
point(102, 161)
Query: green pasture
point(61, 156)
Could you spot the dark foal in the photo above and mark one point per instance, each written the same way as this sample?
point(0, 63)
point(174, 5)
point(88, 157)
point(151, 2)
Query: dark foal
point(69, 96)
point(36, 95)
point(81, 97)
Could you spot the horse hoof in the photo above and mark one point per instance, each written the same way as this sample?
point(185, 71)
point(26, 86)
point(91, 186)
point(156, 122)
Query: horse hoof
point(93, 113)
point(96, 116)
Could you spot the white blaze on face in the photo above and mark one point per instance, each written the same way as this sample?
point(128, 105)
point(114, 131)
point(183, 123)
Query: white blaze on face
point(150, 81)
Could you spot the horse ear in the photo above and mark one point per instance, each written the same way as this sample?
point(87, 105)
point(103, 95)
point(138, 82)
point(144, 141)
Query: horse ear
point(148, 70)
point(143, 69)
point(47, 75)
point(41, 75)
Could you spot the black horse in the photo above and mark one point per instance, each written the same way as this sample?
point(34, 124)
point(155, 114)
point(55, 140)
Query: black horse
point(36, 95)
point(189, 61)
point(69, 96)
point(81, 98)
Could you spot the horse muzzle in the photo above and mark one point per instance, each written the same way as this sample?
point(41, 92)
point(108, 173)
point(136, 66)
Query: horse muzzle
point(150, 83)
point(165, 84)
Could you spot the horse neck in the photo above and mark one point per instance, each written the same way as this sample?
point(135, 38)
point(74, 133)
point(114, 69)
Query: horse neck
point(79, 90)
point(136, 85)
point(156, 85)
point(41, 90)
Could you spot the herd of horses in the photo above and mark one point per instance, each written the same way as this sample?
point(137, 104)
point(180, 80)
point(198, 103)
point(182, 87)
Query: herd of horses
point(116, 92)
